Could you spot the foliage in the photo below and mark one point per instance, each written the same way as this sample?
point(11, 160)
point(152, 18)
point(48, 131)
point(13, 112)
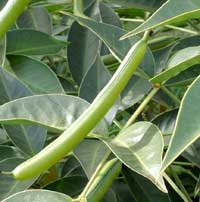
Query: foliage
point(87, 113)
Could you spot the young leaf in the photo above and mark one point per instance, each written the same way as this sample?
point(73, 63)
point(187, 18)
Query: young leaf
point(171, 12)
point(179, 62)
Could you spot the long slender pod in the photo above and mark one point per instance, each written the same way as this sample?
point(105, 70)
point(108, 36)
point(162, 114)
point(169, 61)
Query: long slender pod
point(103, 181)
point(88, 120)
point(10, 13)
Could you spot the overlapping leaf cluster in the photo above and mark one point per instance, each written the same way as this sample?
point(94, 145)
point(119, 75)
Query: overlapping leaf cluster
point(53, 63)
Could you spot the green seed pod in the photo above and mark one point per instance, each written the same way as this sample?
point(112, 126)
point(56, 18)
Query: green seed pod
point(10, 13)
point(87, 121)
point(103, 181)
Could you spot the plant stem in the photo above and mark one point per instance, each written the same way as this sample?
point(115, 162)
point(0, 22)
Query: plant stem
point(95, 174)
point(141, 107)
point(179, 183)
point(78, 8)
point(176, 189)
point(10, 13)
point(168, 26)
point(182, 29)
point(170, 94)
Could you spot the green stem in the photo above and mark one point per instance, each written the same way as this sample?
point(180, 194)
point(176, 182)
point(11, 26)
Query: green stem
point(141, 107)
point(179, 183)
point(10, 13)
point(176, 189)
point(182, 29)
point(168, 26)
point(95, 174)
point(78, 8)
point(171, 95)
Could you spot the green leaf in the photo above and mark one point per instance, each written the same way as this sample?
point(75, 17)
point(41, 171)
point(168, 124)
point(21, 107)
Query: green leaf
point(2, 51)
point(93, 82)
point(179, 62)
point(138, 184)
point(30, 139)
point(38, 196)
point(172, 11)
point(36, 18)
point(140, 147)
point(32, 42)
point(9, 186)
point(187, 128)
point(90, 152)
point(55, 112)
point(35, 74)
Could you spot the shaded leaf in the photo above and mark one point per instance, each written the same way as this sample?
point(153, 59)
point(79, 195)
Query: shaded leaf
point(145, 4)
point(166, 121)
point(83, 47)
point(72, 167)
point(143, 189)
point(7, 152)
point(35, 74)
point(135, 90)
point(32, 42)
point(35, 18)
point(72, 185)
point(118, 48)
